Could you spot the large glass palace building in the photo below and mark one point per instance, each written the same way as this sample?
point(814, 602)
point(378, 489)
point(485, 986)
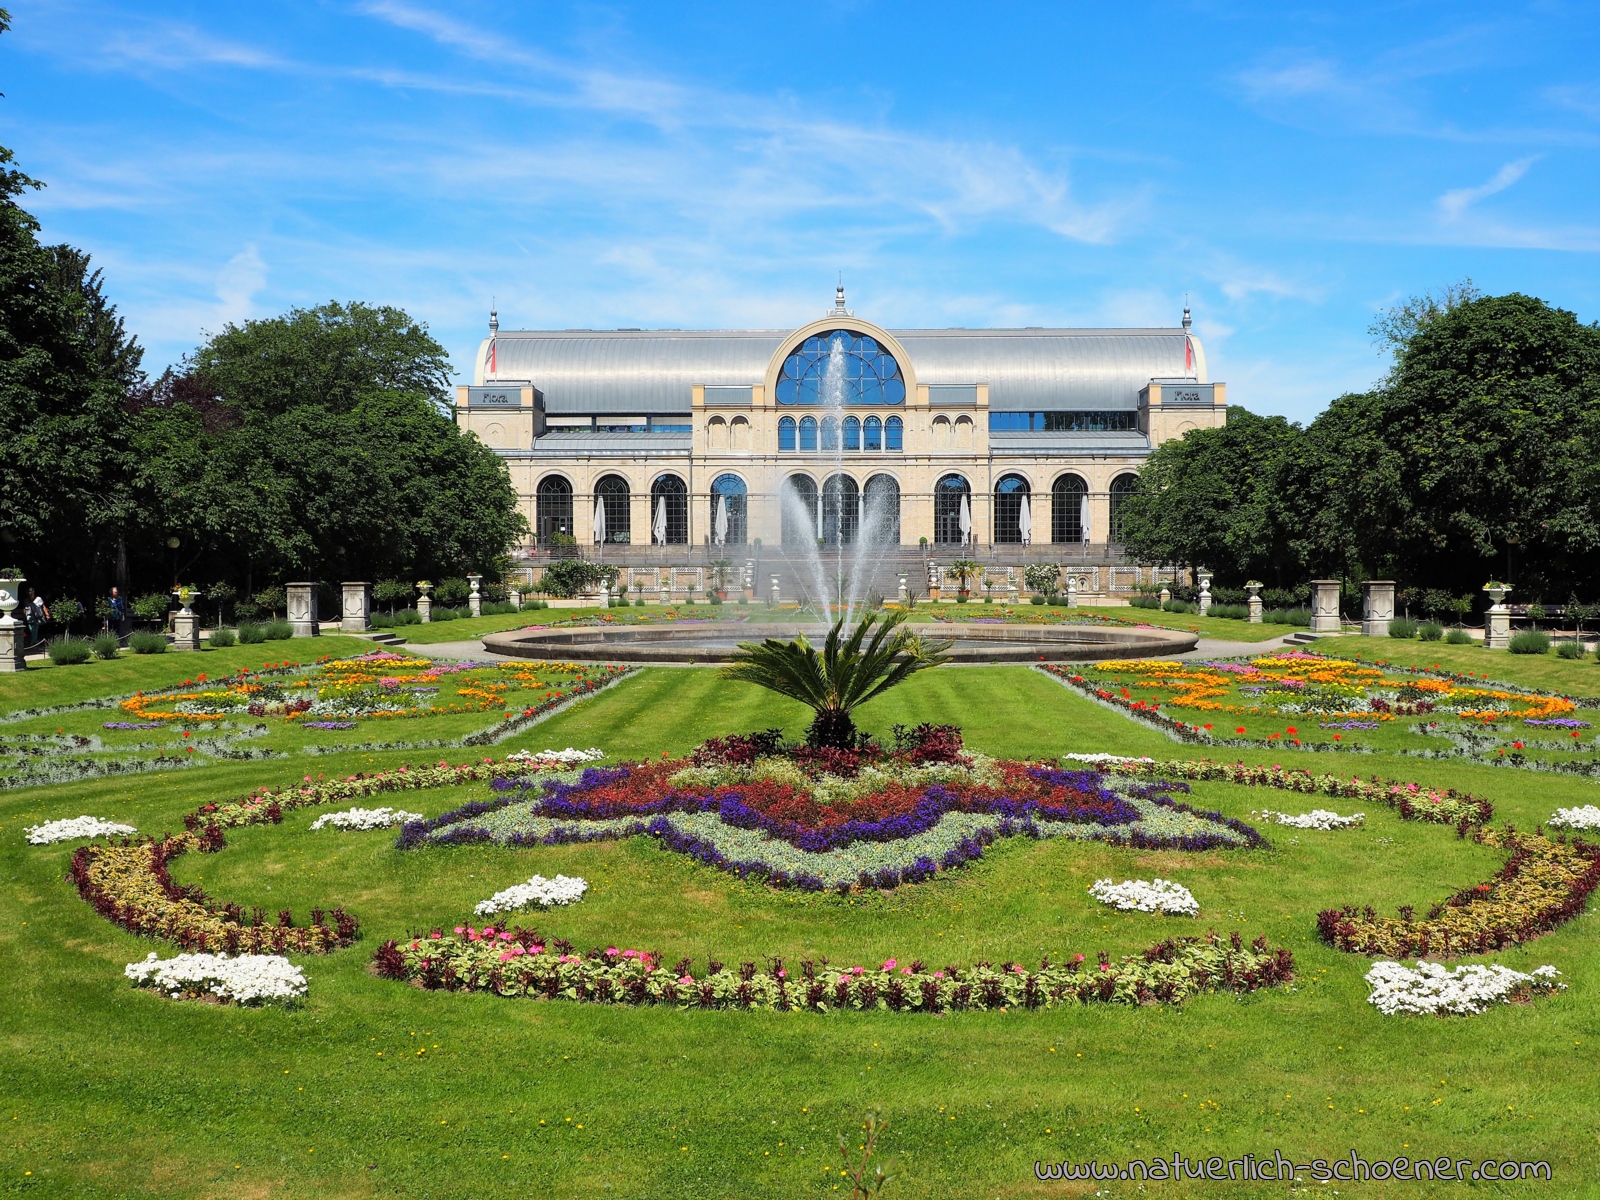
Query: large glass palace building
point(691, 438)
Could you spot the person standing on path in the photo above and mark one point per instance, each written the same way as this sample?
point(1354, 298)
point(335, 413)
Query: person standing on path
point(36, 614)
point(119, 614)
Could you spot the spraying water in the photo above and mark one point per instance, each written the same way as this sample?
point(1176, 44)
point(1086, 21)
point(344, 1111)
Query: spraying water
point(841, 525)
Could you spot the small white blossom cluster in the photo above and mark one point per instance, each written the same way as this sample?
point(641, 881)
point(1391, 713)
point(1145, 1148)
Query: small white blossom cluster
point(246, 979)
point(75, 827)
point(1587, 817)
point(1142, 895)
point(1103, 758)
point(563, 889)
point(556, 758)
point(365, 818)
point(1317, 818)
point(1432, 988)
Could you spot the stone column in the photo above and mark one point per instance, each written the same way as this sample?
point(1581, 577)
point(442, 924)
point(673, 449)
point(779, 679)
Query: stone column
point(775, 596)
point(1204, 604)
point(1497, 621)
point(302, 608)
point(1325, 606)
point(475, 601)
point(13, 633)
point(905, 592)
point(355, 607)
point(1377, 606)
point(425, 603)
point(1255, 601)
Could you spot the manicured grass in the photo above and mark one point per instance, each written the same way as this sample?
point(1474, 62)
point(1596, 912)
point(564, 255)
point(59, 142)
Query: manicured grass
point(118, 1093)
point(1574, 677)
point(1223, 629)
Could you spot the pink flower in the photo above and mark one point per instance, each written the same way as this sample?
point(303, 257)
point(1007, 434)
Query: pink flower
point(938, 974)
point(889, 966)
point(505, 937)
point(905, 970)
point(630, 954)
point(506, 957)
point(1077, 958)
point(844, 979)
point(782, 974)
point(858, 970)
point(686, 980)
point(612, 950)
point(537, 949)
point(488, 931)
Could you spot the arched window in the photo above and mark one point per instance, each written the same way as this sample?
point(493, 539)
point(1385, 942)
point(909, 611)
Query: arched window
point(717, 434)
point(950, 495)
point(880, 511)
point(739, 433)
point(669, 511)
point(800, 514)
point(830, 434)
point(612, 493)
point(839, 368)
point(893, 434)
point(730, 491)
point(841, 510)
point(852, 434)
point(786, 433)
point(1069, 509)
point(873, 431)
point(808, 433)
point(1010, 494)
point(554, 512)
point(1122, 487)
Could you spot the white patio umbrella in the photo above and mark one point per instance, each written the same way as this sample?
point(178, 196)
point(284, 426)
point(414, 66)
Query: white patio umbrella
point(599, 521)
point(719, 523)
point(966, 520)
point(1083, 514)
point(660, 528)
point(1025, 521)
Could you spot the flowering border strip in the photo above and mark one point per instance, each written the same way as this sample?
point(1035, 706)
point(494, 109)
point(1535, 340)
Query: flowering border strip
point(611, 675)
point(1468, 680)
point(1545, 883)
point(520, 962)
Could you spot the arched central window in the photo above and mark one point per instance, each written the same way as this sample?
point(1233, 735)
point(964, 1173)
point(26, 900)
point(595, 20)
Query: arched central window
point(952, 507)
point(786, 434)
point(1011, 500)
point(800, 515)
point(880, 511)
point(669, 511)
point(839, 368)
point(1069, 510)
point(554, 508)
point(872, 430)
point(841, 510)
point(1122, 487)
point(611, 494)
point(730, 492)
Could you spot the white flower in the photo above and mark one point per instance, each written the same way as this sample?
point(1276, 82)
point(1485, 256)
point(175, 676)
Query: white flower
point(365, 818)
point(246, 979)
point(1587, 817)
point(1317, 818)
point(1432, 988)
point(1104, 758)
point(556, 758)
point(563, 889)
point(75, 827)
point(1141, 895)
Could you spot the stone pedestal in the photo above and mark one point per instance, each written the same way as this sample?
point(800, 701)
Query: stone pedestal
point(515, 596)
point(1324, 606)
point(475, 601)
point(1072, 591)
point(1255, 602)
point(13, 633)
point(1204, 604)
point(355, 607)
point(1377, 607)
point(905, 592)
point(425, 609)
point(185, 630)
point(1166, 594)
point(302, 602)
point(774, 596)
point(1497, 621)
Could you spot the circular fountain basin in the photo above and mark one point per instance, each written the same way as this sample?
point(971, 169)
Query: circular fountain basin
point(718, 641)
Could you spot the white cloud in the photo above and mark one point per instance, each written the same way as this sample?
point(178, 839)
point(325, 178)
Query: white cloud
point(240, 279)
point(1454, 203)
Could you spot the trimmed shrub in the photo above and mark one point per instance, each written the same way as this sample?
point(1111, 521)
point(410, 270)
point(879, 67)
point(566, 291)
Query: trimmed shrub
point(68, 651)
point(1458, 637)
point(1230, 612)
point(1179, 606)
point(1297, 616)
point(252, 634)
point(443, 612)
point(105, 645)
point(1530, 641)
point(1145, 601)
point(145, 642)
point(408, 616)
point(1430, 631)
point(1036, 599)
point(1402, 627)
point(279, 631)
point(221, 639)
point(1571, 649)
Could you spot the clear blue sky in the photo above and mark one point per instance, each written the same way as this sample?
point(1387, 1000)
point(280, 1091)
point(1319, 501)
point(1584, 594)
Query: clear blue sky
point(1291, 168)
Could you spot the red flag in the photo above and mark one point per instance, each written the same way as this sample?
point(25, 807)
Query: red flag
point(1188, 354)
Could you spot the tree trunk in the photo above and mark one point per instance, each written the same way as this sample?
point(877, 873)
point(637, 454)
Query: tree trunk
point(832, 728)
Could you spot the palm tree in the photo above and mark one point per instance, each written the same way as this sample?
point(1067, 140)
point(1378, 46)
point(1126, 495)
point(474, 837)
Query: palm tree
point(962, 570)
point(843, 676)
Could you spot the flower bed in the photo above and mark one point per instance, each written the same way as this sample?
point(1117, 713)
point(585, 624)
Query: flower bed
point(521, 962)
point(249, 979)
point(538, 892)
point(364, 818)
point(73, 828)
point(1317, 818)
point(1586, 817)
point(829, 819)
point(1544, 883)
point(1144, 895)
point(1437, 990)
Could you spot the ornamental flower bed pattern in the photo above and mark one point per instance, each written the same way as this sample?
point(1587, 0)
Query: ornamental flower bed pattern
point(1317, 818)
point(249, 979)
point(1436, 990)
point(521, 962)
point(827, 819)
point(1586, 817)
point(1544, 883)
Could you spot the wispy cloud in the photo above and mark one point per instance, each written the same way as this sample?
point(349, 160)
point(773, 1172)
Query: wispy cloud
point(1455, 202)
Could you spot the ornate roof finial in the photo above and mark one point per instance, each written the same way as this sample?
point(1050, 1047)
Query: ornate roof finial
point(494, 319)
point(839, 309)
point(1186, 321)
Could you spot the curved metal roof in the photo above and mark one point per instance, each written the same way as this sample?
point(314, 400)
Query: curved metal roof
point(652, 371)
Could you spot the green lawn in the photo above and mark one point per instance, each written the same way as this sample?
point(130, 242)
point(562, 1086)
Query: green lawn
point(111, 1092)
point(1575, 677)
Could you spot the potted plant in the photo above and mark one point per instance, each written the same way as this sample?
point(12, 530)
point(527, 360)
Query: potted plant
point(962, 570)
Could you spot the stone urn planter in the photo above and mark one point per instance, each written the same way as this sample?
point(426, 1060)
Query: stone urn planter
point(425, 601)
point(1497, 621)
point(13, 633)
point(1254, 588)
point(185, 623)
point(475, 601)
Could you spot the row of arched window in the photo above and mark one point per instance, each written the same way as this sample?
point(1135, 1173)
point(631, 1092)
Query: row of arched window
point(831, 434)
point(841, 512)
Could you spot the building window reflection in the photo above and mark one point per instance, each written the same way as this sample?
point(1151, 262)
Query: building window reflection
point(840, 368)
